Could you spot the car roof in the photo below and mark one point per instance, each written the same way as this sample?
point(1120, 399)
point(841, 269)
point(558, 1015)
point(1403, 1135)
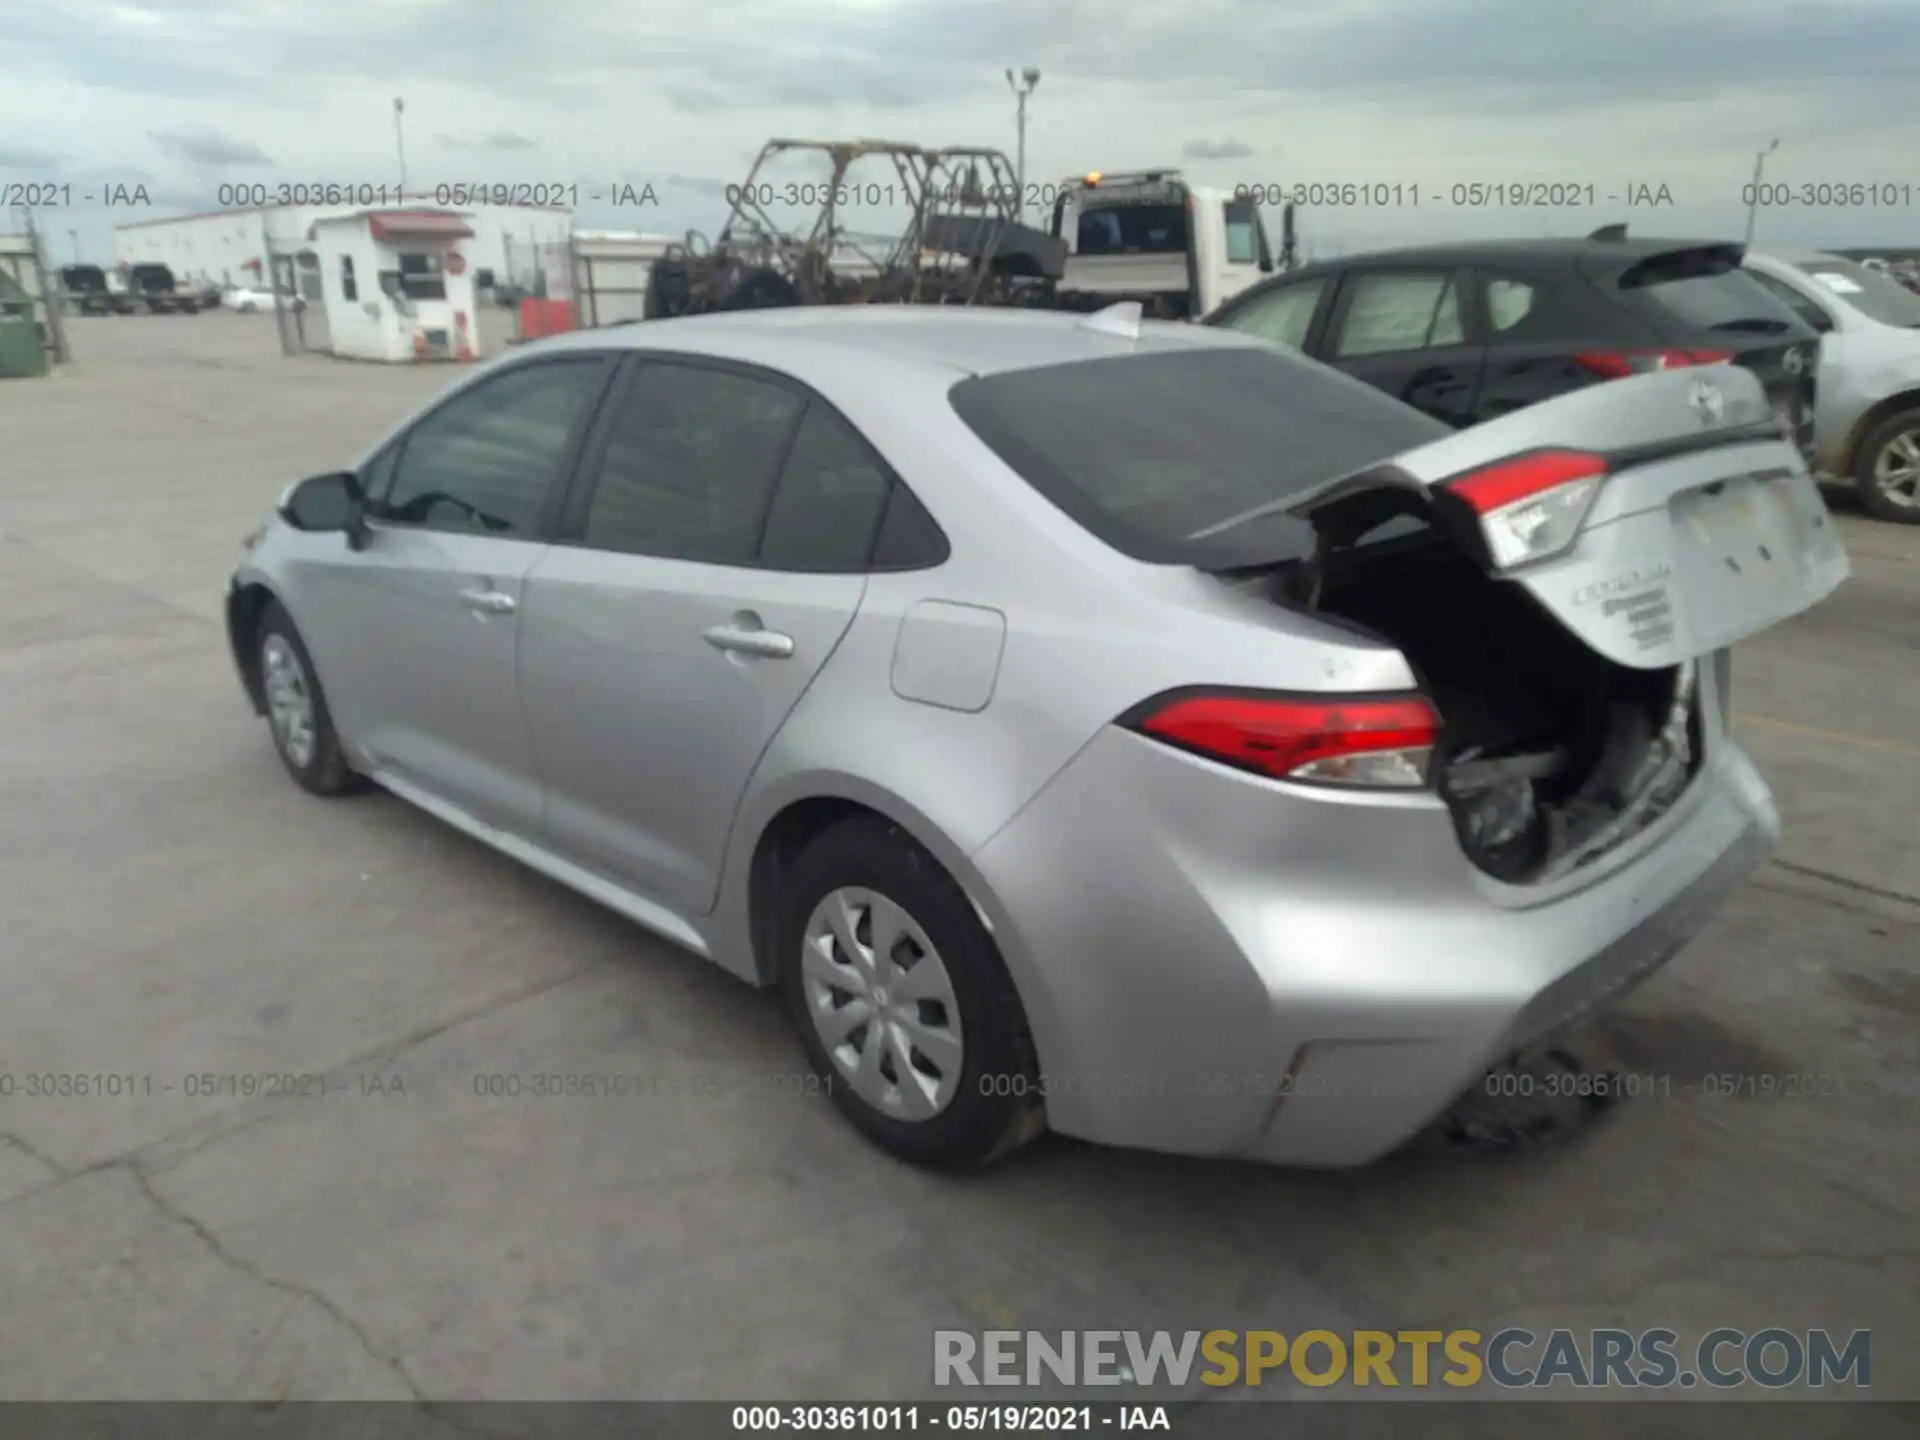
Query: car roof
point(1581, 251)
point(1804, 257)
point(952, 340)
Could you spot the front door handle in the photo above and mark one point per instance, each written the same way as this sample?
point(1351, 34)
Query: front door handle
point(770, 644)
point(488, 602)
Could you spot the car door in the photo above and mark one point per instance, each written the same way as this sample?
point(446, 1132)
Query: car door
point(415, 632)
point(1283, 313)
point(1404, 331)
point(677, 621)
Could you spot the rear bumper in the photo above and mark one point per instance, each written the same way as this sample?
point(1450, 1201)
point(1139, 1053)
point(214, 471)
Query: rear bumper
point(1311, 979)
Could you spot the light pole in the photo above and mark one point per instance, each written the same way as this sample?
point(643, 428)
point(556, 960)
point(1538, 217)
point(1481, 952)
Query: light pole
point(1753, 195)
point(400, 144)
point(1022, 88)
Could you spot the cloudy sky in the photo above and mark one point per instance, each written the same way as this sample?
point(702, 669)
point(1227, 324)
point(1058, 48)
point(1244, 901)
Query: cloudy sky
point(1622, 99)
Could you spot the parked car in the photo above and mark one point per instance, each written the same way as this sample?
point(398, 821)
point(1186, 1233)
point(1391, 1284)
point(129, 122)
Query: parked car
point(246, 300)
point(1867, 417)
point(90, 292)
point(1135, 729)
point(155, 287)
point(1473, 331)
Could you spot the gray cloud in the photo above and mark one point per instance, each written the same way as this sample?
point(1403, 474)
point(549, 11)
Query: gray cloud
point(208, 149)
point(498, 143)
point(699, 184)
point(26, 157)
point(1216, 150)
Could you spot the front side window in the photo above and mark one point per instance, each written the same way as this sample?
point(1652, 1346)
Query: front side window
point(1390, 313)
point(484, 461)
point(689, 464)
point(1283, 316)
point(1243, 231)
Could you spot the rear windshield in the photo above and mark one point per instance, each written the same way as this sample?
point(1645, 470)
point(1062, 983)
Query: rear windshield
point(1873, 293)
point(1710, 292)
point(1148, 452)
point(1133, 230)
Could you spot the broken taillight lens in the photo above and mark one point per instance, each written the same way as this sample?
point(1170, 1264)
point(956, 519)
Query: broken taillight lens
point(1531, 506)
point(1374, 742)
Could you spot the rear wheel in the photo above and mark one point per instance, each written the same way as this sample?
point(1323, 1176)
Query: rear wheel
point(1888, 469)
point(297, 714)
point(906, 1013)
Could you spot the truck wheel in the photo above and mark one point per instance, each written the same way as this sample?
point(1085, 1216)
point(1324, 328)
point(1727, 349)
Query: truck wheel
point(1888, 469)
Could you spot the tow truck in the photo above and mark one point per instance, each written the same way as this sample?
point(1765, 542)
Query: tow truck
point(1178, 249)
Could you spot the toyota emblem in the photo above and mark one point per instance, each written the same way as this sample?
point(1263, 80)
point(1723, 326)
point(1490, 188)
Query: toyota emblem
point(1794, 362)
point(1708, 402)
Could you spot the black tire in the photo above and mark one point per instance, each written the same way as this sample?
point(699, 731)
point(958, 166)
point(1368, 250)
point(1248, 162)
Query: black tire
point(1878, 503)
point(996, 1108)
point(325, 771)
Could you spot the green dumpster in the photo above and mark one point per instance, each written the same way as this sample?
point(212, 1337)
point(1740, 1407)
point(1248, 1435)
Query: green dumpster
point(22, 351)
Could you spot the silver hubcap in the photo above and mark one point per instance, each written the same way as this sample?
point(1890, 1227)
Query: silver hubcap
point(1896, 472)
point(289, 700)
point(883, 1004)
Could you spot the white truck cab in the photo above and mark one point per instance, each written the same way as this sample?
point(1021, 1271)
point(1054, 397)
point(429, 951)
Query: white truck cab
point(1147, 235)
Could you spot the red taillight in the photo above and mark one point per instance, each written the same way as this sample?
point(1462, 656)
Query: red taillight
point(1498, 486)
point(1531, 506)
point(1353, 742)
point(1618, 364)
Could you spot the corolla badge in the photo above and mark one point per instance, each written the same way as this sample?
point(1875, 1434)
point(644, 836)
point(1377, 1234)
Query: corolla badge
point(1707, 401)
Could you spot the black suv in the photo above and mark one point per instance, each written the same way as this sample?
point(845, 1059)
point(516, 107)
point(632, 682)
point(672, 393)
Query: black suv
point(1471, 331)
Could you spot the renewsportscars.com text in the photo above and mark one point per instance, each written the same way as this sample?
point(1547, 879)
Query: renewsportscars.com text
point(1510, 1358)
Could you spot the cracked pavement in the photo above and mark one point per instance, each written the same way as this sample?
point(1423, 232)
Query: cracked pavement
point(180, 924)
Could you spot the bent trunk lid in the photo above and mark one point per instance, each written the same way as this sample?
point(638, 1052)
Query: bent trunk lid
point(1708, 528)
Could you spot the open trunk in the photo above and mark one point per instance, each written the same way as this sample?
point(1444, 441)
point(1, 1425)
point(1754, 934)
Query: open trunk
point(1557, 581)
point(1551, 754)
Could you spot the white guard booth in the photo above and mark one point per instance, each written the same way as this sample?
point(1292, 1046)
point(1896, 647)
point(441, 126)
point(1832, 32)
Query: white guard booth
point(397, 285)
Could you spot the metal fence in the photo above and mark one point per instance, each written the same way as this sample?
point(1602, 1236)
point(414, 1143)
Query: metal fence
point(30, 279)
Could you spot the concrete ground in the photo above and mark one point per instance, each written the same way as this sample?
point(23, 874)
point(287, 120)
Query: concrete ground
point(173, 908)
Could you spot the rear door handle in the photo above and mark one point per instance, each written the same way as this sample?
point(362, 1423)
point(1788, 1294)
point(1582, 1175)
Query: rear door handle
point(770, 644)
point(489, 602)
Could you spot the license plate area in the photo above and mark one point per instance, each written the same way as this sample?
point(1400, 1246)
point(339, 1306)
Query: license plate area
point(1742, 548)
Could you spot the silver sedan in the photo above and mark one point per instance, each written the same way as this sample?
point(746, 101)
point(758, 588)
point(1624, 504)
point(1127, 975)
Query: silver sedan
point(1131, 729)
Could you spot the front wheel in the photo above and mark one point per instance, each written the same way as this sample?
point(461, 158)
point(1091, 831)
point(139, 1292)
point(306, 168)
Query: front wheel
point(904, 1008)
point(297, 714)
point(1888, 470)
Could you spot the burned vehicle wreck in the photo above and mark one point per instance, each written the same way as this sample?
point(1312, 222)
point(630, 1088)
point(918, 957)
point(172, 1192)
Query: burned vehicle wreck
point(961, 240)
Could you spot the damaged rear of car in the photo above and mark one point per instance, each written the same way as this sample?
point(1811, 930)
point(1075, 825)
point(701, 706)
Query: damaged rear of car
point(1558, 580)
point(1391, 891)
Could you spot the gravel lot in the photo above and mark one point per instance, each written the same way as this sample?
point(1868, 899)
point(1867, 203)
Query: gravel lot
point(173, 907)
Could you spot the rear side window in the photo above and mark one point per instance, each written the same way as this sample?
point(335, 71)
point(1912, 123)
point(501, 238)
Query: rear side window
point(830, 500)
point(1149, 451)
point(1508, 303)
point(689, 463)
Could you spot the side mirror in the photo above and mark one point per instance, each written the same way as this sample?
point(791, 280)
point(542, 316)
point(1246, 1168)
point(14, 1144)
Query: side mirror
point(328, 503)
